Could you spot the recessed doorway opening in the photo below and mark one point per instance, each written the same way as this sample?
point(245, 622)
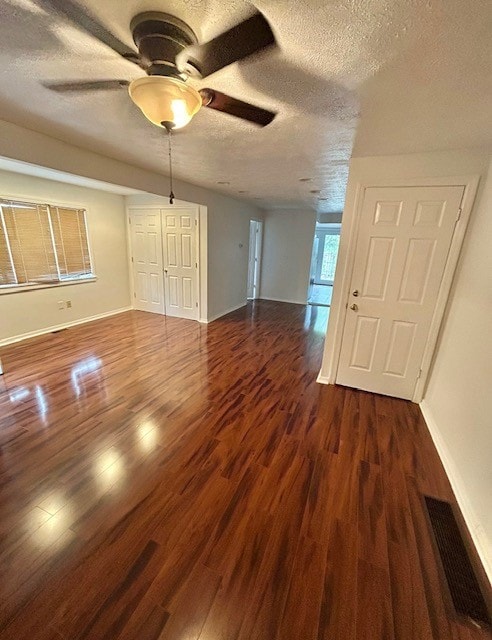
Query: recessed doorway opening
point(254, 260)
point(323, 263)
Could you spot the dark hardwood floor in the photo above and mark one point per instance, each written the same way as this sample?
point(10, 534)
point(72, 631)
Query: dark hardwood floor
point(166, 479)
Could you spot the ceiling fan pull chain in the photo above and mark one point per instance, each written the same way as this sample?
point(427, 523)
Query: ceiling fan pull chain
point(171, 194)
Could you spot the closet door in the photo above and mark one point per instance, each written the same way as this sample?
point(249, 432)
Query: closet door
point(146, 245)
point(180, 262)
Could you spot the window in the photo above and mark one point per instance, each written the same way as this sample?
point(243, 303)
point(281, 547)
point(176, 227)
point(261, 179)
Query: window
point(41, 243)
point(330, 253)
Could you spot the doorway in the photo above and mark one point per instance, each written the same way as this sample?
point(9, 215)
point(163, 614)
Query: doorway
point(164, 244)
point(254, 260)
point(323, 263)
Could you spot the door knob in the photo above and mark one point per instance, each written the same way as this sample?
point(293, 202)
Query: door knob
point(355, 293)
point(165, 270)
point(354, 307)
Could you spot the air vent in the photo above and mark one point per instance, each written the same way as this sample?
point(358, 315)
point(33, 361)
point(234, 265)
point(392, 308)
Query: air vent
point(462, 581)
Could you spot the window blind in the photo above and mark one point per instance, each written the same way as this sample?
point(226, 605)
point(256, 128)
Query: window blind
point(70, 236)
point(28, 231)
point(7, 273)
point(42, 243)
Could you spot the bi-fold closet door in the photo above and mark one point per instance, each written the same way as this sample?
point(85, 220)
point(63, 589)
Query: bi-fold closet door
point(164, 248)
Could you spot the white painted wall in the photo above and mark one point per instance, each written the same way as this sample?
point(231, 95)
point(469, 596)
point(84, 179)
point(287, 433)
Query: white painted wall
point(35, 310)
point(228, 247)
point(228, 218)
point(457, 401)
point(286, 256)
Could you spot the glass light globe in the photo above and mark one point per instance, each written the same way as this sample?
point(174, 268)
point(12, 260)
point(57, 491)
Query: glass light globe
point(164, 99)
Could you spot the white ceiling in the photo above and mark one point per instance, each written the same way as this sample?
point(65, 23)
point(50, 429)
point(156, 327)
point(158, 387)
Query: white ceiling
point(372, 76)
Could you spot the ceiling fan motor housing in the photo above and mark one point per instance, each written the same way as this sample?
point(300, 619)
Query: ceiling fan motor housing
point(159, 38)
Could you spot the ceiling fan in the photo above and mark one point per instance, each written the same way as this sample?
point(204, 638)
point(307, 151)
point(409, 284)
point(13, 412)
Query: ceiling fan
point(169, 53)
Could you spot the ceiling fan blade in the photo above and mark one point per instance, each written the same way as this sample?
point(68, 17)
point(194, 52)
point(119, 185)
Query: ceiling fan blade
point(221, 102)
point(74, 12)
point(250, 36)
point(91, 85)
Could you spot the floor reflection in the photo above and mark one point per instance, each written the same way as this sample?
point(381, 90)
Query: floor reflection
point(109, 468)
point(53, 527)
point(88, 366)
point(22, 394)
point(316, 319)
point(147, 436)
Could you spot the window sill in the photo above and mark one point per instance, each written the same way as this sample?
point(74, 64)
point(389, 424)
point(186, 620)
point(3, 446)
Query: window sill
point(6, 289)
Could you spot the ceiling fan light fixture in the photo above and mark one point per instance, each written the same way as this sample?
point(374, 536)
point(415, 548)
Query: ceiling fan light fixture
point(165, 100)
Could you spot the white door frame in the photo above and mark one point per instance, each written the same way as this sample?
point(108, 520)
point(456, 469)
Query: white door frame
point(345, 266)
point(202, 244)
point(258, 240)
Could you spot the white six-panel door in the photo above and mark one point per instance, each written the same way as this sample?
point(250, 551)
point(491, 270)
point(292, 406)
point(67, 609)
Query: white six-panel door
point(146, 241)
point(403, 242)
point(180, 263)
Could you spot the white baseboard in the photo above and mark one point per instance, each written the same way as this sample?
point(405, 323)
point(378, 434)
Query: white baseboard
point(64, 325)
point(482, 544)
point(323, 379)
point(224, 313)
point(282, 300)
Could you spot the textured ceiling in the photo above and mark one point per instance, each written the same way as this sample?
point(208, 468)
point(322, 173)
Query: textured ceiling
point(376, 76)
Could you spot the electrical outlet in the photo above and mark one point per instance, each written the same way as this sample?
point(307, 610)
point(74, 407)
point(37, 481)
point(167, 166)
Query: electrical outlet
point(61, 304)
point(69, 304)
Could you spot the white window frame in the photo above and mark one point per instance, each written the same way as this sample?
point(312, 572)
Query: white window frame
point(36, 200)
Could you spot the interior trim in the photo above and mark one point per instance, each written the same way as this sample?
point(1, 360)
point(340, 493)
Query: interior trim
point(64, 325)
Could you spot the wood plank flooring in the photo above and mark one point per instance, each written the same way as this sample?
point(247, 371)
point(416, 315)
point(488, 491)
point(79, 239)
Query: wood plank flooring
point(162, 479)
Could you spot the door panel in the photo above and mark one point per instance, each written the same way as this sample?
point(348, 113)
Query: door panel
point(172, 298)
point(146, 245)
point(172, 251)
point(366, 332)
point(400, 348)
point(186, 251)
point(180, 263)
point(402, 247)
point(187, 293)
point(377, 268)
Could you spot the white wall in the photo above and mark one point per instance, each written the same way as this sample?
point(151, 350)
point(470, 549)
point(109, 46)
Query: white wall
point(457, 401)
point(286, 255)
point(35, 310)
point(228, 218)
point(228, 248)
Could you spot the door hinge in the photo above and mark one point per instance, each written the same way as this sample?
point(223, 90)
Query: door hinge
point(460, 211)
point(196, 223)
point(134, 294)
point(132, 258)
point(196, 265)
point(196, 304)
point(419, 374)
